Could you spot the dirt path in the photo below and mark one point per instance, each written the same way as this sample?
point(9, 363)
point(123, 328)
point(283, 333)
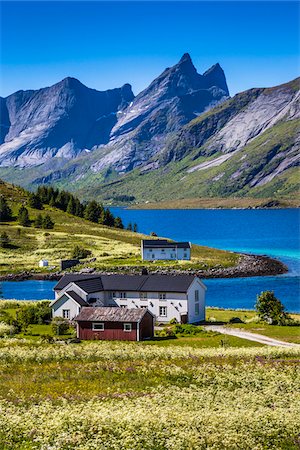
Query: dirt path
point(249, 336)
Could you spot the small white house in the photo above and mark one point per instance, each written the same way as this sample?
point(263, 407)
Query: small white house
point(43, 263)
point(161, 249)
point(180, 297)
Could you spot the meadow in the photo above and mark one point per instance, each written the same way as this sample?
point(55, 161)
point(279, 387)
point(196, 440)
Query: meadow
point(113, 395)
point(113, 248)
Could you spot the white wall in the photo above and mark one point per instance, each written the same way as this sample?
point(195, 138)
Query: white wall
point(166, 254)
point(72, 287)
point(65, 303)
point(197, 285)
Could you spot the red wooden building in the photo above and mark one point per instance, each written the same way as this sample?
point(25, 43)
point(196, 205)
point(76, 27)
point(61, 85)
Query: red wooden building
point(113, 323)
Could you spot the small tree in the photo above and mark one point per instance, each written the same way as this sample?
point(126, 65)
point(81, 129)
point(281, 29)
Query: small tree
point(270, 309)
point(4, 240)
point(129, 226)
point(38, 223)
point(153, 233)
point(135, 228)
point(35, 201)
point(5, 211)
point(48, 223)
point(80, 252)
point(23, 217)
point(118, 223)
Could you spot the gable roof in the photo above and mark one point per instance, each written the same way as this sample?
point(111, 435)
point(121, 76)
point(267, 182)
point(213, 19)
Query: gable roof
point(140, 283)
point(70, 277)
point(73, 295)
point(111, 314)
point(163, 243)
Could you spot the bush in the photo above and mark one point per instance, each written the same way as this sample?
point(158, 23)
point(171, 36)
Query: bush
point(173, 321)
point(48, 223)
point(6, 330)
point(165, 332)
point(60, 326)
point(235, 320)
point(187, 329)
point(4, 240)
point(80, 252)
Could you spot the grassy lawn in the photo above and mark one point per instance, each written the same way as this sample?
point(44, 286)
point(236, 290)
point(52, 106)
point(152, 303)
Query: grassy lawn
point(284, 333)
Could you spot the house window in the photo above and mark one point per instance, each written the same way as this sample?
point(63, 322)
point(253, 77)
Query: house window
point(66, 313)
point(98, 326)
point(196, 296)
point(163, 311)
point(197, 309)
point(185, 255)
point(123, 295)
point(162, 249)
point(122, 306)
point(153, 256)
point(127, 327)
point(143, 295)
point(162, 296)
point(143, 307)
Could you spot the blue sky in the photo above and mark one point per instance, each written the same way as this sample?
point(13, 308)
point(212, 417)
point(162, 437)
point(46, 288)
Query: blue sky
point(107, 44)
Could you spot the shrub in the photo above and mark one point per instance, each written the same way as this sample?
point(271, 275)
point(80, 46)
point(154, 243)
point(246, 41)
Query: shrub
point(187, 329)
point(6, 329)
point(38, 223)
point(80, 252)
point(48, 223)
point(4, 240)
point(173, 321)
point(59, 326)
point(235, 320)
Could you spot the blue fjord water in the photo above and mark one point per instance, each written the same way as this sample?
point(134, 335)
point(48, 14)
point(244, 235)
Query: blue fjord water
point(270, 232)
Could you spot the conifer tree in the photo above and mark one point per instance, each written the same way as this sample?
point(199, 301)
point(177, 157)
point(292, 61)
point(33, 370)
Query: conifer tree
point(5, 211)
point(23, 217)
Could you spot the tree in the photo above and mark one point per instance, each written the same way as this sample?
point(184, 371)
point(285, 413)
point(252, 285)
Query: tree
point(5, 211)
point(23, 217)
point(270, 309)
point(135, 228)
point(80, 252)
point(48, 223)
point(106, 218)
point(129, 226)
point(4, 240)
point(92, 211)
point(38, 223)
point(153, 233)
point(118, 223)
point(71, 208)
point(35, 201)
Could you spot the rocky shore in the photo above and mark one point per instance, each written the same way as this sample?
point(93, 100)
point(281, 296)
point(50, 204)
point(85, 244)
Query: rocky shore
point(248, 266)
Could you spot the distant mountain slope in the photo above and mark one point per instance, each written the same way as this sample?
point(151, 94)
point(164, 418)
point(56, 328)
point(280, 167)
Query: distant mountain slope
point(59, 121)
point(182, 137)
point(248, 145)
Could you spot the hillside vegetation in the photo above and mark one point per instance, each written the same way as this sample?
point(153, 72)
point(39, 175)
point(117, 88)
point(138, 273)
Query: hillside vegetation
point(112, 247)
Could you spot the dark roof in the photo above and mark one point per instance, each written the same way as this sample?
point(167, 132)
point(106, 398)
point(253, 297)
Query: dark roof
point(69, 277)
point(167, 283)
point(152, 243)
point(123, 282)
point(91, 285)
point(141, 283)
point(111, 314)
point(77, 298)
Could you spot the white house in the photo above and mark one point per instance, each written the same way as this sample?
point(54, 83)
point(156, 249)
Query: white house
point(166, 296)
point(161, 249)
point(43, 263)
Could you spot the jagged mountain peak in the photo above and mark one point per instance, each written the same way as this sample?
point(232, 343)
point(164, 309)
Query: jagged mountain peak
point(215, 76)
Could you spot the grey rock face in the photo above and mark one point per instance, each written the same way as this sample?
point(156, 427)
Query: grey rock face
point(60, 121)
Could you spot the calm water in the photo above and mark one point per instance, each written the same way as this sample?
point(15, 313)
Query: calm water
point(269, 232)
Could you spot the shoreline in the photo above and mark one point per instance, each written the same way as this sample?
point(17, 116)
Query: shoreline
point(248, 266)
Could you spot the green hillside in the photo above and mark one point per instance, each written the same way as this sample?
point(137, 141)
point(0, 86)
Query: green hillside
point(112, 247)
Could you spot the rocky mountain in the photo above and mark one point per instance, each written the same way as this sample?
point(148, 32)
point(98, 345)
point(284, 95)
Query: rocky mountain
point(182, 137)
point(59, 121)
point(65, 119)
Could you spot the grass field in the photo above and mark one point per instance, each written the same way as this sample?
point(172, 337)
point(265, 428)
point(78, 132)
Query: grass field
point(109, 395)
point(112, 247)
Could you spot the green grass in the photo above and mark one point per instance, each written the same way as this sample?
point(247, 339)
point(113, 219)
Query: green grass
point(112, 247)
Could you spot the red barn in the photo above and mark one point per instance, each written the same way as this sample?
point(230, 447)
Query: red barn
point(113, 323)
